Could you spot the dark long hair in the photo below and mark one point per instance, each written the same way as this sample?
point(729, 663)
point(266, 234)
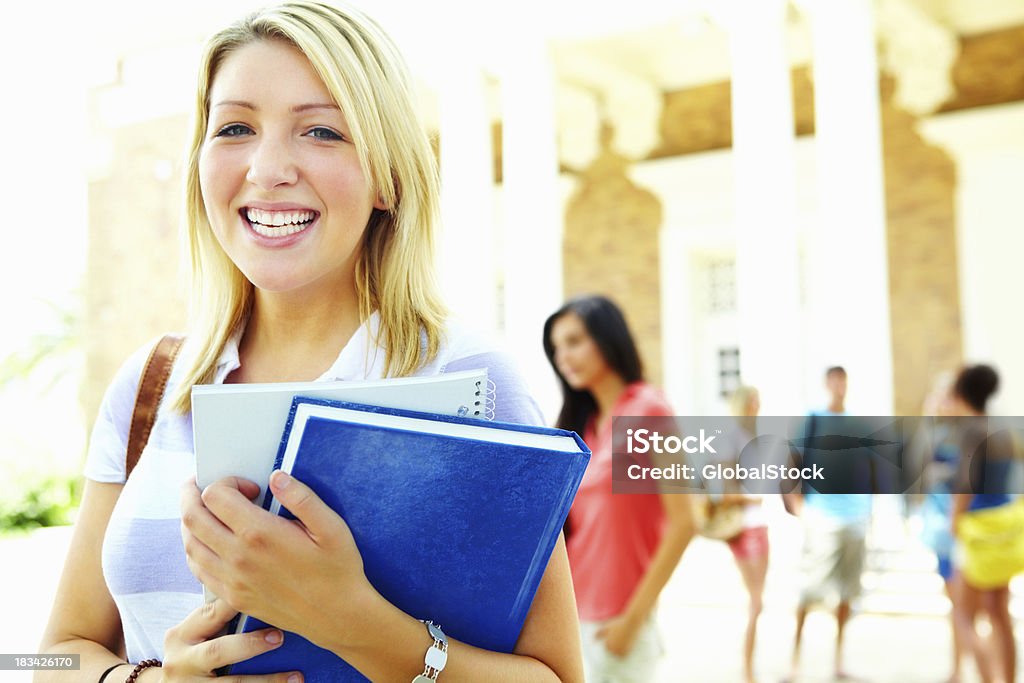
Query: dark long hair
point(975, 385)
point(607, 326)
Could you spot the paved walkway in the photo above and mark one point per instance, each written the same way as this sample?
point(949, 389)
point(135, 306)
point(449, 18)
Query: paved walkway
point(31, 565)
point(702, 617)
point(899, 635)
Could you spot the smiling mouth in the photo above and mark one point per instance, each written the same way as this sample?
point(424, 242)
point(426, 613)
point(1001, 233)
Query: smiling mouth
point(278, 223)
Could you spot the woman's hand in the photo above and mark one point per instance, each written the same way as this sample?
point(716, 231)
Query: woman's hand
point(303, 575)
point(619, 634)
point(193, 650)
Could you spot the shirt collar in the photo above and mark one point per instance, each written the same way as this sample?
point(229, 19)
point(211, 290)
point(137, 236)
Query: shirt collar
point(361, 358)
point(229, 360)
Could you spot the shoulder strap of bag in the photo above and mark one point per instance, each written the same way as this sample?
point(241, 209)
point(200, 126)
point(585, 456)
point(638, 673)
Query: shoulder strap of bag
point(151, 390)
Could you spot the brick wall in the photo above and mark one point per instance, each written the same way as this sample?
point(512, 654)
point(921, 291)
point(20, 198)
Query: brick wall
point(924, 290)
point(611, 247)
point(133, 288)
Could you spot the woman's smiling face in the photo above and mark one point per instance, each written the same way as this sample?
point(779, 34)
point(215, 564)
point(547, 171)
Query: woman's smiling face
point(279, 173)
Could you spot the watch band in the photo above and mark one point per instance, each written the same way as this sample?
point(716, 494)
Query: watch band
point(437, 654)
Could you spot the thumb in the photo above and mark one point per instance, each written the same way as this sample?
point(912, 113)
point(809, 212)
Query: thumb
point(307, 507)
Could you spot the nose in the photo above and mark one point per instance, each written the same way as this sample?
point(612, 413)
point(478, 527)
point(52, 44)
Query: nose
point(272, 164)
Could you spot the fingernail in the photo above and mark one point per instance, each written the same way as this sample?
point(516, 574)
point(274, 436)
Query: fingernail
point(281, 480)
point(295, 678)
point(274, 637)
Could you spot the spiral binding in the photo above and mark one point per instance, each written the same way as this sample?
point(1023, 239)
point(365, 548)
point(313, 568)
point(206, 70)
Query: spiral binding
point(484, 403)
point(490, 400)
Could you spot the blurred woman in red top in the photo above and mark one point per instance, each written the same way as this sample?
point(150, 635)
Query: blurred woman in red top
point(622, 548)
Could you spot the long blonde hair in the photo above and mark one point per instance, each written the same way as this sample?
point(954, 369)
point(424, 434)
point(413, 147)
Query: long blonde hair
point(739, 406)
point(368, 79)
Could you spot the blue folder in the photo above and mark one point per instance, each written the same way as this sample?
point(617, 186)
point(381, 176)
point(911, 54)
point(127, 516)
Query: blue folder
point(450, 528)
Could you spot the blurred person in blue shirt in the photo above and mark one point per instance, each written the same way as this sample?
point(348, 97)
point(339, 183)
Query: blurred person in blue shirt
point(835, 524)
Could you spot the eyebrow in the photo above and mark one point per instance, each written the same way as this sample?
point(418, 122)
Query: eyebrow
point(296, 109)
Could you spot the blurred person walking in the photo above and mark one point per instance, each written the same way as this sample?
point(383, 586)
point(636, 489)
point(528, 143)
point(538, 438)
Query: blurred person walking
point(749, 545)
point(835, 528)
point(939, 478)
point(988, 522)
point(622, 548)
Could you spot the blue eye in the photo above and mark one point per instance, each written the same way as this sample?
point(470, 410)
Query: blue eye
point(321, 133)
point(233, 130)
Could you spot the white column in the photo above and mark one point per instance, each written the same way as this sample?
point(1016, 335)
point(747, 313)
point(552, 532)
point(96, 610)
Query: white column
point(677, 337)
point(767, 278)
point(469, 269)
point(849, 283)
point(533, 220)
point(988, 146)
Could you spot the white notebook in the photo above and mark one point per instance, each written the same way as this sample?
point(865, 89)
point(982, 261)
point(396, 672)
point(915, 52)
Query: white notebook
point(237, 428)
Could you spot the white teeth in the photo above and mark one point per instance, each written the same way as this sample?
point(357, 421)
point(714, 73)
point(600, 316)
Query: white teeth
point(279, 223)
point(282, 231)
point(279, 218)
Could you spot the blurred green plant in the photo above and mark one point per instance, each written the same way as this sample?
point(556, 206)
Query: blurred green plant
point(50, 500)
point(39, 498)
point(49, 355)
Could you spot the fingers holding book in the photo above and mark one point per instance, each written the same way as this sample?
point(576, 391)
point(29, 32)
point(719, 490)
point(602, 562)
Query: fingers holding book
point(251, 558)
point(194, 649)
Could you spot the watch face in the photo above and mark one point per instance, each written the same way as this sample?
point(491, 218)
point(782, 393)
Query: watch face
point(423, 679)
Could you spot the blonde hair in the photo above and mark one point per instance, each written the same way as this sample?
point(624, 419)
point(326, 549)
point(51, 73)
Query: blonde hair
point(740, 400)
point(368, 79)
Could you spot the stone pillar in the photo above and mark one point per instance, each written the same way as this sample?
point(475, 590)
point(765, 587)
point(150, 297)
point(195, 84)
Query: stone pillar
point(848, 288)
point(467, 259)
point(988, 148)
point(532, 231)
point(767, 277)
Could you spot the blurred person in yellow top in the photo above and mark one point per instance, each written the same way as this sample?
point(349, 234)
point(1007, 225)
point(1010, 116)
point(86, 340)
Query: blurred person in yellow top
point(988, 523)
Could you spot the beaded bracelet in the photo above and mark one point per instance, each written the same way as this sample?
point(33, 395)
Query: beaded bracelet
point(144, 664)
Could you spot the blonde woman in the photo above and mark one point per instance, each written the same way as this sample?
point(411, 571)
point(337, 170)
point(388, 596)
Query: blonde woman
point(312, 200)
point(749, 547)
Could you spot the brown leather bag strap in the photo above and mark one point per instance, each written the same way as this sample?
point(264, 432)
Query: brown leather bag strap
point(151, 389)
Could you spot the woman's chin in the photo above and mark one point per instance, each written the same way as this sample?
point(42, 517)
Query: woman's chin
point(577, 383)
point(276, 283)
